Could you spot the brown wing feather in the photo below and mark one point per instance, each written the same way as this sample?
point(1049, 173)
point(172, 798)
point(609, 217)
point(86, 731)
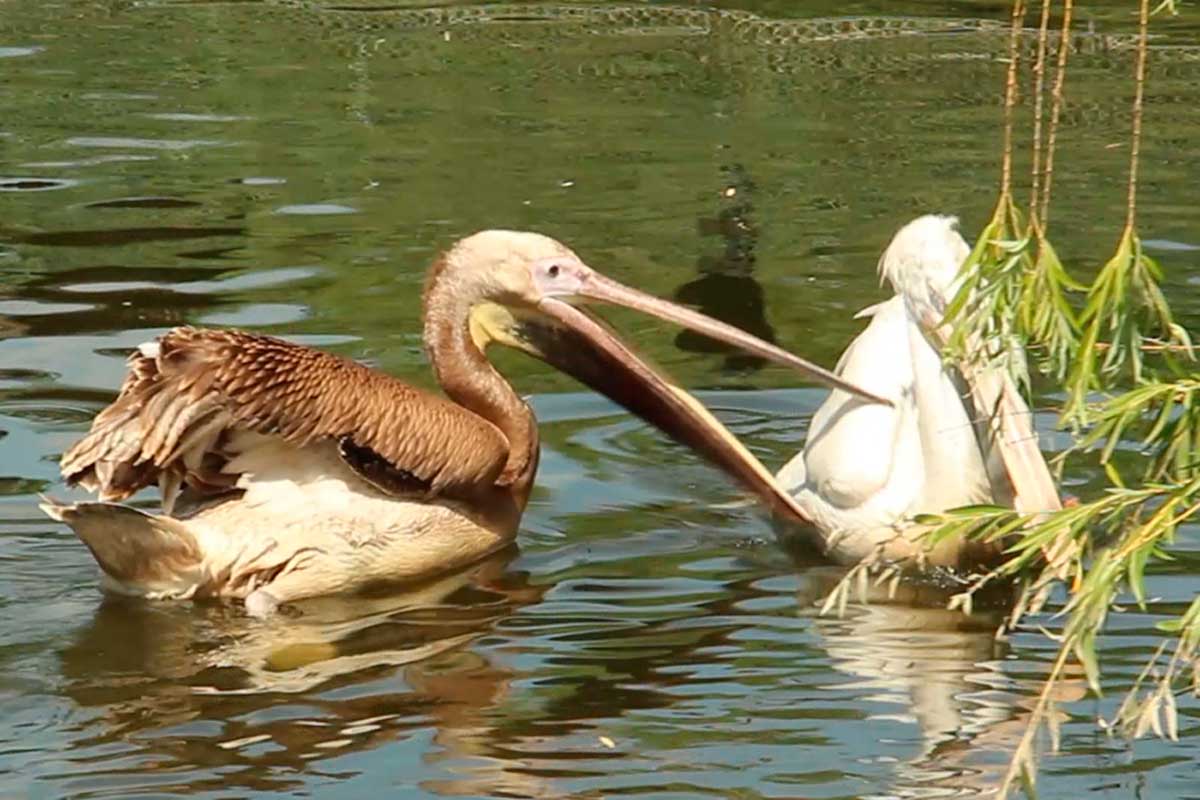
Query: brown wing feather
point(179, 400)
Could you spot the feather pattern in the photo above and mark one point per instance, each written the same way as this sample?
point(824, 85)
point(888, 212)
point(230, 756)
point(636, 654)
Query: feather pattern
point(187, 392)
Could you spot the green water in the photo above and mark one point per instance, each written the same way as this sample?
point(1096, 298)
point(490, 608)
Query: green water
point(293, 168)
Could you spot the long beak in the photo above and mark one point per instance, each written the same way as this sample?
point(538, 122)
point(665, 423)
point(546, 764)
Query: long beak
point(598, 287)
point(582, 346)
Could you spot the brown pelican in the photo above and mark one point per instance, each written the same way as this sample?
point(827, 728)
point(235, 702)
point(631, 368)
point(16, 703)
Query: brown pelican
point(287, 472)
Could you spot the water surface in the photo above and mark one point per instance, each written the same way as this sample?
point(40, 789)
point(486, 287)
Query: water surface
point(292, 168)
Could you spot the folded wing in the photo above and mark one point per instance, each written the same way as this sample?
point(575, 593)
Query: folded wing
point(187, 393)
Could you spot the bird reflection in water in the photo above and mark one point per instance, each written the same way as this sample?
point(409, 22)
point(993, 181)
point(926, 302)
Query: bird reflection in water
point(201, 686)
point(726, 288)
point(201, 697)
point(945, 667)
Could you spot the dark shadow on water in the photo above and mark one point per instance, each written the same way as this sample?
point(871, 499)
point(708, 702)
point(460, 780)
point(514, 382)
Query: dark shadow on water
point(113, 237)
point(726, 288)
point(107, 297)
point(144, 202)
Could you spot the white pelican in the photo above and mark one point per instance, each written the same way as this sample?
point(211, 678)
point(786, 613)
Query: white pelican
point(287, 472)
point(954, 435)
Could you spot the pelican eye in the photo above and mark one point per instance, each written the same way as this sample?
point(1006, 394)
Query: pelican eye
point(553, 271)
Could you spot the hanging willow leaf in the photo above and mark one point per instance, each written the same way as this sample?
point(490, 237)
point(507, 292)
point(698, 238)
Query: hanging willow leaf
point(1163, 415)
point(1047, 319)
point(1125, 306)
point(983, 312)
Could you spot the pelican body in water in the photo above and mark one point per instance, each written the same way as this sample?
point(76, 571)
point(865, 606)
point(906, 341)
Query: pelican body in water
point(287, 472)
point(953, 434)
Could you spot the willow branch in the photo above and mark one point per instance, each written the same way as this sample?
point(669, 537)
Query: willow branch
point(1039, 82)
point(1139, 94)
point(1056, 102)
point(1010, 95)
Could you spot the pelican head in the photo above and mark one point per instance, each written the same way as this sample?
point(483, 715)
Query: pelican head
point(922, 263)
point(523, 289)
point(528, 292)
